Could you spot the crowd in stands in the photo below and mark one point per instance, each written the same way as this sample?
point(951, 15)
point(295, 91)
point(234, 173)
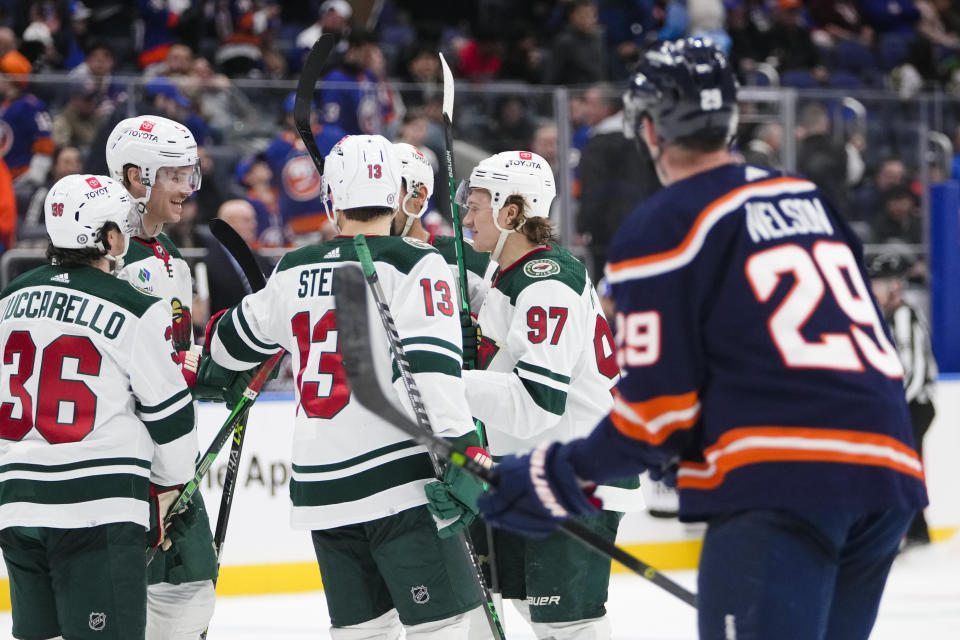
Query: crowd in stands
point(69, 70)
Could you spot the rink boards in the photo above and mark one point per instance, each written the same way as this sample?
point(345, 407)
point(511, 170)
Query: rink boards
point(263, 554)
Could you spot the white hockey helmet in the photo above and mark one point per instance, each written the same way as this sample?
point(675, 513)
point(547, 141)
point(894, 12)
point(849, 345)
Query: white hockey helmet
point(151, 143)
point(509, 173)
point(417, 171)
point(77, 207)
point(362, 171)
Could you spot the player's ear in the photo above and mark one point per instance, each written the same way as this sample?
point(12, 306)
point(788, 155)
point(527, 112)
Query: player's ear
point(133, 175)
point(422, 192)
point(649, 133)
point(512, 215)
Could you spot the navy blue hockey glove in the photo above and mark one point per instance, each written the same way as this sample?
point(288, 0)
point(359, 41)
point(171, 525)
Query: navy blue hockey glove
point(453, 502)
point(537, 492)
point(666, 474)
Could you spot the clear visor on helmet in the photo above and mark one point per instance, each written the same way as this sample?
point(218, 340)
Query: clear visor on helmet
point(133, 224)
point(463, 192)
point(179, 178)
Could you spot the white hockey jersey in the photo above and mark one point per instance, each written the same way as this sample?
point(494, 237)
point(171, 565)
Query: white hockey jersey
point(349, 465)
point(92, 405)
point(479, 268)
point(546, 355)
point(156, 267)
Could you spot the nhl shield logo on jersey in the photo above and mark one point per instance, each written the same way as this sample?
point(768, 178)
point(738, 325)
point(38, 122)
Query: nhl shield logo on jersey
point(419, 244)
point(97, 621)
point(420, 594)
point(541, 268)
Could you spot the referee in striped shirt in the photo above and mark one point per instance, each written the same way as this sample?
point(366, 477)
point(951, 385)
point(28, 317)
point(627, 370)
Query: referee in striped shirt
point(912, 337)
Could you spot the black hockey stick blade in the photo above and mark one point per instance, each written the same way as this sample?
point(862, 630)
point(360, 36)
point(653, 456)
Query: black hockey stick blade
point(302, 104)
point(241, 252)
point(354, 336)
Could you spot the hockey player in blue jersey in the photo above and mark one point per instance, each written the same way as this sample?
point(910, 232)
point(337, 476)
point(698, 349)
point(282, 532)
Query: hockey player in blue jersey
point(759, 376)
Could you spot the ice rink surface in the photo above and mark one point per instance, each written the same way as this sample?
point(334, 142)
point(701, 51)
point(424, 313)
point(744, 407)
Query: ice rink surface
point(922, 600)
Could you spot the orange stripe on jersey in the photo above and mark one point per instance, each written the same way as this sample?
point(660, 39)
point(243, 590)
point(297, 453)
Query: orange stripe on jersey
point(308, 223)
point(43, 146)
point(711, 214)
point(654, 420)
point(753, 445)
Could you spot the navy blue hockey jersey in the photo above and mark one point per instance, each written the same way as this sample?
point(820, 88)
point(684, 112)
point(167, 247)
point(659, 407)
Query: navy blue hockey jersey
point(753, 352)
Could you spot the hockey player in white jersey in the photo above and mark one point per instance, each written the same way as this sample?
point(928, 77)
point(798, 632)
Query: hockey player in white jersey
point(156, 160)
point(94, 418)
point(416, 189)
point(546, 369)
point(358, 482)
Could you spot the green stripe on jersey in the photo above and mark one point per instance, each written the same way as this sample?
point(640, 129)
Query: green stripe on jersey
point(235, 345)
point(437, 342)
point(429, 362)
point(72, 466)
point(176, 425)
point(242, 320)
point(74, 490)
point(400, 253)
point(532, 368)
point(337, 466)
point(569, 271)
point(88, 280)
point(163, 405)
point(363, 484)
point(547, 398)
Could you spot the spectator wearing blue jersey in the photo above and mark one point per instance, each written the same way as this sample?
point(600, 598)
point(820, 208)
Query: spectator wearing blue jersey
point(158, 19)
point(25, 126)
point(299, 193)
point(787, 433)
point(355, 98)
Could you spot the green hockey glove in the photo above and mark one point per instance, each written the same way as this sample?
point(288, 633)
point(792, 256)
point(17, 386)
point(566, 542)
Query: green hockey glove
point(212, 379)
point(234, 391)
point(453, 502)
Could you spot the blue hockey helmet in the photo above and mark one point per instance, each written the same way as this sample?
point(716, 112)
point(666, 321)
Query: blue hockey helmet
point(687, 88)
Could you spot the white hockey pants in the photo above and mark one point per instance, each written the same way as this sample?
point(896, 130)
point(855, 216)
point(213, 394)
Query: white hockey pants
point(179, 611)
point(388, 627)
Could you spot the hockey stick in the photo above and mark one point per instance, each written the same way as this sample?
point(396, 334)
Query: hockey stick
point(312, 68)
point(249, 395)
point(358, 363)
point(240, 251)
point(416, 401)
point(449, 91)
